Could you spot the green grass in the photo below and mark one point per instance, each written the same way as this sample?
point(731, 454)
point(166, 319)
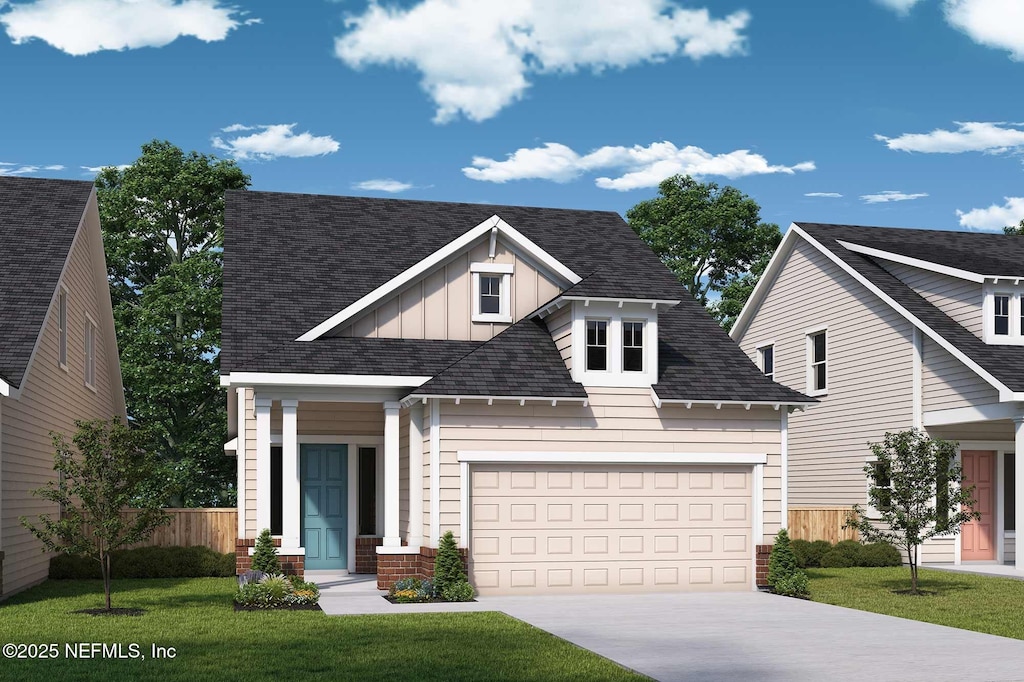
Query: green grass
point(213, 642)
point(970, 602)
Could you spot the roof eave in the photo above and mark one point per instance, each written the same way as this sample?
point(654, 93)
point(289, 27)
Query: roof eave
point(522, 400)
point(747, 404)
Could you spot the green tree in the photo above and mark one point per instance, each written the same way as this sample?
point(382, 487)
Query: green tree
point(94, 485)
point(264, 556)
point(916, 487)
point(1014, 229)
point(448, 568)
point(711, 237)
point(163, 232)
point(784, 575)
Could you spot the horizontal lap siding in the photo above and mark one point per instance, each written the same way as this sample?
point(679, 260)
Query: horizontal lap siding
point(52, 399)
point(958, 298)
point(870, 366)
point(616, 420)
point(948, 383)
point(560, 325)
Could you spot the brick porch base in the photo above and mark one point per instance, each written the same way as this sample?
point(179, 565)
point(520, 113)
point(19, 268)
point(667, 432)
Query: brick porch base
point(764, 553)
point(291, 564)
point(394, 567)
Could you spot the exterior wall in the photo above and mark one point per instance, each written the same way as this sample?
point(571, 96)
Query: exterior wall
point(617, 420)
point(958, 298)
point(947, 383)
point(52, 398)
point(560, 326)
point(440, 306)
point(870, 368)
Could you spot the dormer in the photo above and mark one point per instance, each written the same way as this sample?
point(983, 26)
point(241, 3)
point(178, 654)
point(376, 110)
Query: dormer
point(1003, 311)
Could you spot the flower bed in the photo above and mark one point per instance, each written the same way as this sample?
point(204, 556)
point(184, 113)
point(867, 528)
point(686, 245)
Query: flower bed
point(258, 591)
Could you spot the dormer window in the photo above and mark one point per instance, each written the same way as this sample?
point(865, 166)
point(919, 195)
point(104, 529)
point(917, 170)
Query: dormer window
point(614, 344)
point(1001, 315)
point(492, 292)
point(632, 346)
point(597, 345)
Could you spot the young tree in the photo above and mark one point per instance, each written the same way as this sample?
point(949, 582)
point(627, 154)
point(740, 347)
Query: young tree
point(93, 487)
point(917, 488)
point(711, 237)
point(163, 231)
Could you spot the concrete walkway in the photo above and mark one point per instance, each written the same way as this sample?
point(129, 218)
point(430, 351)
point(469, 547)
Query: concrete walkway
point(999, 570)
point(732, 636)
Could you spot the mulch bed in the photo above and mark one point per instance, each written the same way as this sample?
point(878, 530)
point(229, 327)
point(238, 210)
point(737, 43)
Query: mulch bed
point(393, 600)
point(112, 612)
point(283, 607)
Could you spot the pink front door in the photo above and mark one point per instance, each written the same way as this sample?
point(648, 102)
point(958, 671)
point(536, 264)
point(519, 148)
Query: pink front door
point(977, 538)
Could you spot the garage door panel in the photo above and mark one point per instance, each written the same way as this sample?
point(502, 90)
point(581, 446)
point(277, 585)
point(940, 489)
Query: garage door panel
point(610, 528)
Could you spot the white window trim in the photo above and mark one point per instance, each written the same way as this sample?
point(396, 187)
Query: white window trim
point(643, 344)
point(62, 328)
point(90, 357)
point(809, 351)
point(1016, 310)
point(608, 360)
point(504, 270)
point(759, 348)
point(615, 314)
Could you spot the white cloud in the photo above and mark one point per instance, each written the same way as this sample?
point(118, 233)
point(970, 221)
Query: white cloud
point(272, 141)
point(97, 169)
point(638, 166)
point(81, 27)
point(889, 196)
point(992, 138)
point(995, 217)
point(993, 23)
point(474, 57)
point(825, 195)
point(383, 185)
point(899, 6)
point(8, 168)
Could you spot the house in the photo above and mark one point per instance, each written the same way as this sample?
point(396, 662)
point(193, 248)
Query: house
point(892, 329)
point(58, 354)
point(533, 380)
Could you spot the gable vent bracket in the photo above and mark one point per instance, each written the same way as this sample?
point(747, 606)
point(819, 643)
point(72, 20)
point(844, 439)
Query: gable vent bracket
point(494, 242)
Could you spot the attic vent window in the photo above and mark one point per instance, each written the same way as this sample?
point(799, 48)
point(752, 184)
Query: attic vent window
point(492, 292)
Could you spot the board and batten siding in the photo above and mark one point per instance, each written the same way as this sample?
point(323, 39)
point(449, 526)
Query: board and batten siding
point(870, 373)
point(51, 399)
point(616, 420)
point(947, 383)
point(440, 306)
point(958, 298)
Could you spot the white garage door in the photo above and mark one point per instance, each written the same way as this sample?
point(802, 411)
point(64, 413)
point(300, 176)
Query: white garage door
point(610, 528)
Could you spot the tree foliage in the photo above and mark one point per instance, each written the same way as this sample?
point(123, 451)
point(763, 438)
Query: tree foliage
point(264, 556)
point(163, 232)
point(784, 575)
point(1014, 229)
point(448, 568)
point(711, 237)
point(94, 485)
point(916, 486)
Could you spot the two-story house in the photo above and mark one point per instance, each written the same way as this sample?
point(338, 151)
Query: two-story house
point(533, 380)
point(892, 329)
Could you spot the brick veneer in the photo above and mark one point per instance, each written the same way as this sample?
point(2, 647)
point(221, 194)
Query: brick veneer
point(366, 554)
point(764, 553)
point(393, 567)
point(291, 564)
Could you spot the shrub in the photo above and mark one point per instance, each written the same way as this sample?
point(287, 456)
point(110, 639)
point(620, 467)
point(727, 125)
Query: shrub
point(801, 550)
point(784, 576)
point(411, 590)
point(147, 562)
point(808, 554)
point(264, 557)
point(880, 554)
point(448, 567)
point(458, 591)
point(254, 594)
point(273, 591)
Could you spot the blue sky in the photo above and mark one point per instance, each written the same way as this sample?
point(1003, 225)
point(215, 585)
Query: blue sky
point(911, 110)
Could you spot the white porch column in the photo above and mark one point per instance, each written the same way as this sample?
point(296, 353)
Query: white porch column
point(262, 406)
point(290, 503)
point(240, 485)
point(1018, 485)
point(391, 475)
point(416, 475)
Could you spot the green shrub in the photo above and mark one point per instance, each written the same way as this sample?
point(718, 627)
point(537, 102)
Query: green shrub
point(839, 558)
point(448, 567)
point(801, 550)
point(880, 554)
point(254, 594)
point(458, 591)
point(784, 576)
point(264, 556)
point(412, 590)
point(147, 562)
point(273, 591)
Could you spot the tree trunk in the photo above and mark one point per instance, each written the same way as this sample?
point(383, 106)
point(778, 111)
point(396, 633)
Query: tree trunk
point(105, 563)
point(913, 570)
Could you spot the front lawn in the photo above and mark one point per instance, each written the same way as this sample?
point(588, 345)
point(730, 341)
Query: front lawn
point(213, 642)
point(966, 601)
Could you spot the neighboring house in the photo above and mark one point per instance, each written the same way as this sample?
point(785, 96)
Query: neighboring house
point(58, 354)
point(892, 329)
point(533, 380)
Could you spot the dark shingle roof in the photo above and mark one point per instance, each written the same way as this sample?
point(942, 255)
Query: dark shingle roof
point(521, 361)
point(1005, 363)
point(38, 222)
point(292, 261)
point(981, 253)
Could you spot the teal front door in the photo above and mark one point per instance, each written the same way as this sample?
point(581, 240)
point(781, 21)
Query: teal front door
point(324, 472)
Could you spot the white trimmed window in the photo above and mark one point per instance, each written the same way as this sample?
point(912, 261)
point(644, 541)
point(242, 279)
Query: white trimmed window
point(62, 327)
point(492, 292)
point(597, 345)
point(767, 357)
point(817, 362)
point(614, 345)
point(91, 333)
point(632, 346)
point(1001, 315)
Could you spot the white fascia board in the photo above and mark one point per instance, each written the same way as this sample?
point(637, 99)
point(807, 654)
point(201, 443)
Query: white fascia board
point(659, 302)
point(917, 262)
point(321, 380)
point(516, 457)
point(5, 389)
point(417, 397)
point(1005, 393)
point(974, 413)
point(231, 445)
point(771, 272)
point(658, 402)
point(420, 269)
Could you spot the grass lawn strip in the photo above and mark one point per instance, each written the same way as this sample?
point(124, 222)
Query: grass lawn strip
point(213, 642)
point(970, 602)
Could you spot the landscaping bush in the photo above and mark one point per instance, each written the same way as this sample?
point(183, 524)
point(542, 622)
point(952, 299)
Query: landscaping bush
point(264, 556)
point(850, 553)
point(147, 562)
point(412, 590)
point(879, 554)
point(784, 576)
point(276, 591)
point(844, 557)
point(448, 568)
point(458, 591)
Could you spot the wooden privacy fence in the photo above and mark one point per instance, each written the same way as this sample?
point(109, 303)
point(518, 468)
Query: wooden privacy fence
point(820, 523)
point(216, 528)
